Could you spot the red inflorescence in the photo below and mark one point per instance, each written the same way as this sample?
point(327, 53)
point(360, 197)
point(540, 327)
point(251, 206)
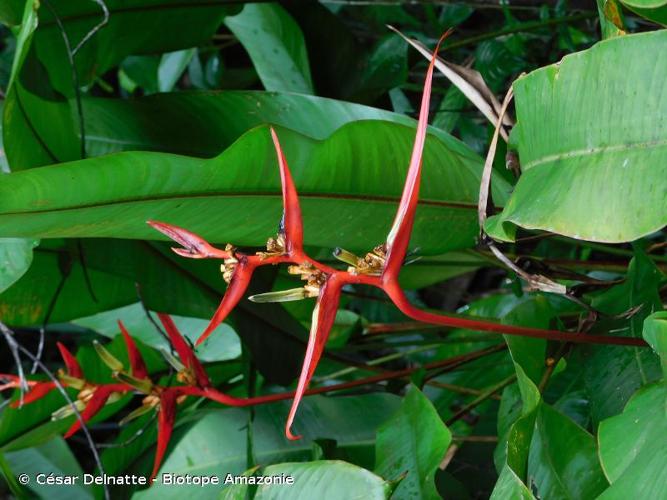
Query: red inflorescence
point(379, 268)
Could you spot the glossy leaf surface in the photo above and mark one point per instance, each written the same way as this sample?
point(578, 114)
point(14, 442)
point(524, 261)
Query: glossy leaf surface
point(592, 144)
point(224, 200)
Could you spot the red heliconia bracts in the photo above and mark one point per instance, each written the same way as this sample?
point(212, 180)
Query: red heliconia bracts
point(38, 390)
point(379, 268)
point(92, 397)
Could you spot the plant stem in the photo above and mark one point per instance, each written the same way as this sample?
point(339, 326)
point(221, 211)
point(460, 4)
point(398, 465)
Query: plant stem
point(518, 28)
point(482, 339)
point(480, 399)
point(476, 439)
point(446, 364)
point(459, 389)
point(375, 362)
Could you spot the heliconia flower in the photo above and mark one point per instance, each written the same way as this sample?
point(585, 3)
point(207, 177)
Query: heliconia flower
point(379, 268)
point(165, 425)
point(12, 381)
point(238, 284)
point(136, 360)
point(72, 365)
point(399, 235)
point(186, 354)
point(324, 315)
point(112, 362)
point(238, 268)
point(40, 389)
point(36, 389)
point(92, 398)
point(94, 402)
point(292, 224)
point(194, 247)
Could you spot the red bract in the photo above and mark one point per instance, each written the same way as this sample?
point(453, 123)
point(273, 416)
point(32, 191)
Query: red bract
point(136, 360)
point(72, 365)
point(184, 351)
point(324, 316)
point(40, 389)
point(36, 389)
point(399, 234)
point(99, 397)
point(379, 268)
point(165, 426)
point(92, 397)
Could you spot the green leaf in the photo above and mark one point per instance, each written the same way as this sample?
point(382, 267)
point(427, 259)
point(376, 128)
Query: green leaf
point(386, 67)
point(612, 373)
point(10, 12)
point(612, 21)
point(655, 333)
point(172, 66)
point(450, 109)
point(324, 479)
point(27, 116)
point(529, 353)
point(33, 106)
point(214, 442)
point(237, 491)
point(134, 27)
point(29, 23)
point(276, 46)
point(222, 345)
point(206, 123)
point(27, 302)
point(29, 136)
point(563, 461)
point(516, 427)
point(513, 447)
point(15, 259)
point(51, 457)
point(593, 169)
point(9, 477)
point(349, 187)
point(654, 10)
point(336, 50)
point(155, 73)
point(413, 441)
point(632, 447)
point(196, 288)
point(510, 486)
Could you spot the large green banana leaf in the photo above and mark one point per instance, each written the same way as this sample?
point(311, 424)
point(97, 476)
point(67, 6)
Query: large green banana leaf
point(592, 140)
point(133, 27)
point(205, 123)
point(349, 185)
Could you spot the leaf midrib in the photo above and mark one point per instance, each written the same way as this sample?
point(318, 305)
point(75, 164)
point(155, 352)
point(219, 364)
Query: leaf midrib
point(249, 194)
point(593, 151)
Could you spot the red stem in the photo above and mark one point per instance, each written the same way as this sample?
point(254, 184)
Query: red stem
point(453, 362)
point(400, 300)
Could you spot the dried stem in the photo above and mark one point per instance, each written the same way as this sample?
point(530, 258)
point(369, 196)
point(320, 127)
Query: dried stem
point(480, 399)
point(18, 347)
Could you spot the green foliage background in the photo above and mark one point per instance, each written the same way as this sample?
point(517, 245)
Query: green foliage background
point(161, 111)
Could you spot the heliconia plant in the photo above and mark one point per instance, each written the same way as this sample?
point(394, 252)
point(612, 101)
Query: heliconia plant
point(379, 268)
point(92, 397)
point(191, 378)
